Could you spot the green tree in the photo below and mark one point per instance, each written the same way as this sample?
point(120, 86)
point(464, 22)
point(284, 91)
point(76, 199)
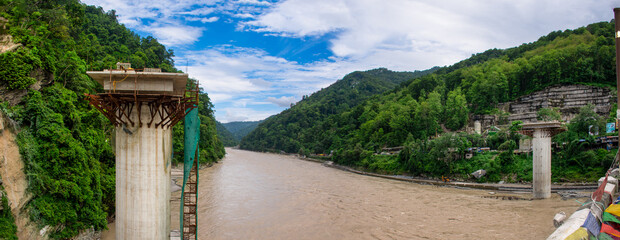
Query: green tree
point(456, 111)
point(548, 114)
point(587, 121)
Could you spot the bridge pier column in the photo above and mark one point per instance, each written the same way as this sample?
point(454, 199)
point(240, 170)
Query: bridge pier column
point(541, 150)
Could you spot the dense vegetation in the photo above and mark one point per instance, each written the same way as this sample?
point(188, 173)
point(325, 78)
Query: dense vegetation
point(302, 126)
point(423, 112)
point(210, 146)
point(241, 129)
point(8, 229)
point(225, 136)
point(64, 142)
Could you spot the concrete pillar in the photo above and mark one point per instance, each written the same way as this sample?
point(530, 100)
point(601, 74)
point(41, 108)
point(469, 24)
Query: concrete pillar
point(143, 156)
point(477, 127)
point(541, 145)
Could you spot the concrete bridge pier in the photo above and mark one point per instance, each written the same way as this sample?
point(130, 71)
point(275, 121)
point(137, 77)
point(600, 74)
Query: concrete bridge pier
point(143, 156)
point(541, 149)
point(143, 105)
point(541, 182)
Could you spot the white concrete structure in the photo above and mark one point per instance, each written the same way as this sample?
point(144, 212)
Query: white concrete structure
point(541, 182)
point(477, 127)
point(570, 225)
point(116, 80)
point(541, 148)
point(143, 158)
point(142, 106)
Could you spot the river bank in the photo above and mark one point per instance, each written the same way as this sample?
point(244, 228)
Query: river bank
point(507, 187)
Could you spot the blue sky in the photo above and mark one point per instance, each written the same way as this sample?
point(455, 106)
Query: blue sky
point(256, 57)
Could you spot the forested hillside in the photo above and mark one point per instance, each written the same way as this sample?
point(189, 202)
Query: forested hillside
point(241, 129)
point(64, 142)
point(302, 126)
point(225, 136)
point(421, 109)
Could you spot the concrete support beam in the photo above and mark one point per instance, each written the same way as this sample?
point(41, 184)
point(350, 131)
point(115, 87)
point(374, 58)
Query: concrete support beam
point(541, 149)
point(143, 158)
point(541, 182)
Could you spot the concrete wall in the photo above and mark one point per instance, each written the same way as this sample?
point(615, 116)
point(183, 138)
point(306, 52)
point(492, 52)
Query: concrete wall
point(143, 158)
point(568, 99)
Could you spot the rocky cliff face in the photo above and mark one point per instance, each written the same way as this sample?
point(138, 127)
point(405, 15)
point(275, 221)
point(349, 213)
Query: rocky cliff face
point(6, 41)
point(568, 99)
point(14, 180)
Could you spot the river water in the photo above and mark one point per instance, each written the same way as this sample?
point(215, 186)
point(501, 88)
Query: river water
point(268, 196)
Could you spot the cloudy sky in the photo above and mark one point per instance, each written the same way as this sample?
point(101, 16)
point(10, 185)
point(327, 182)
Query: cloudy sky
point(256, 57)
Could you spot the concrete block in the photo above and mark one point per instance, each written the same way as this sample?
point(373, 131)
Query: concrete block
point(479, 173)
point(610, 179)
point(558, 219)
point(612, 189)
point(571, 225)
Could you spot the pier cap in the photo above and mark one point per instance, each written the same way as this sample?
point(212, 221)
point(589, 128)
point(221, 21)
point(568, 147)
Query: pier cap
point(553, 127)
point(125, 79)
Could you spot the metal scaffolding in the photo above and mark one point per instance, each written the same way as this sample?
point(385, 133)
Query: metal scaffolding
point(189, 218)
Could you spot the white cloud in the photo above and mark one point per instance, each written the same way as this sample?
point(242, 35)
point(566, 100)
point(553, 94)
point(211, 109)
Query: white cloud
point(240, 78)
point(176, 35)
point(283, 101)
point(165, 17)
point(210, 19)
point(425, 33)
point(199, 11)
point(234, 70)
point(243, 15)
point(243, 114)
point(219, 97)
point(202, 19)
point(254, 2)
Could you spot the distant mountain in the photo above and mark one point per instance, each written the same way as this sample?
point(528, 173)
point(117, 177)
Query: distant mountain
point(241, 129)
point(225, 136)
point(292, 128)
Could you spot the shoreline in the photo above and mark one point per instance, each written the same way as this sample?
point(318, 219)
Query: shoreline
point(506, 187)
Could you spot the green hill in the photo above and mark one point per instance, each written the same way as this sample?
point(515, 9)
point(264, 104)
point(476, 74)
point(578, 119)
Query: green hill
point(240, 129)
point(225, 136)
point(300, 127)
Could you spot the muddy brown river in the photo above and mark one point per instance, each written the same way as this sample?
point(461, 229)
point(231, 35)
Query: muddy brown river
point(267, 196)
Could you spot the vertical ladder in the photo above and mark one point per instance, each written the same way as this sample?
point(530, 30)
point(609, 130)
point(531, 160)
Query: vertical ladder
point(190, 198)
